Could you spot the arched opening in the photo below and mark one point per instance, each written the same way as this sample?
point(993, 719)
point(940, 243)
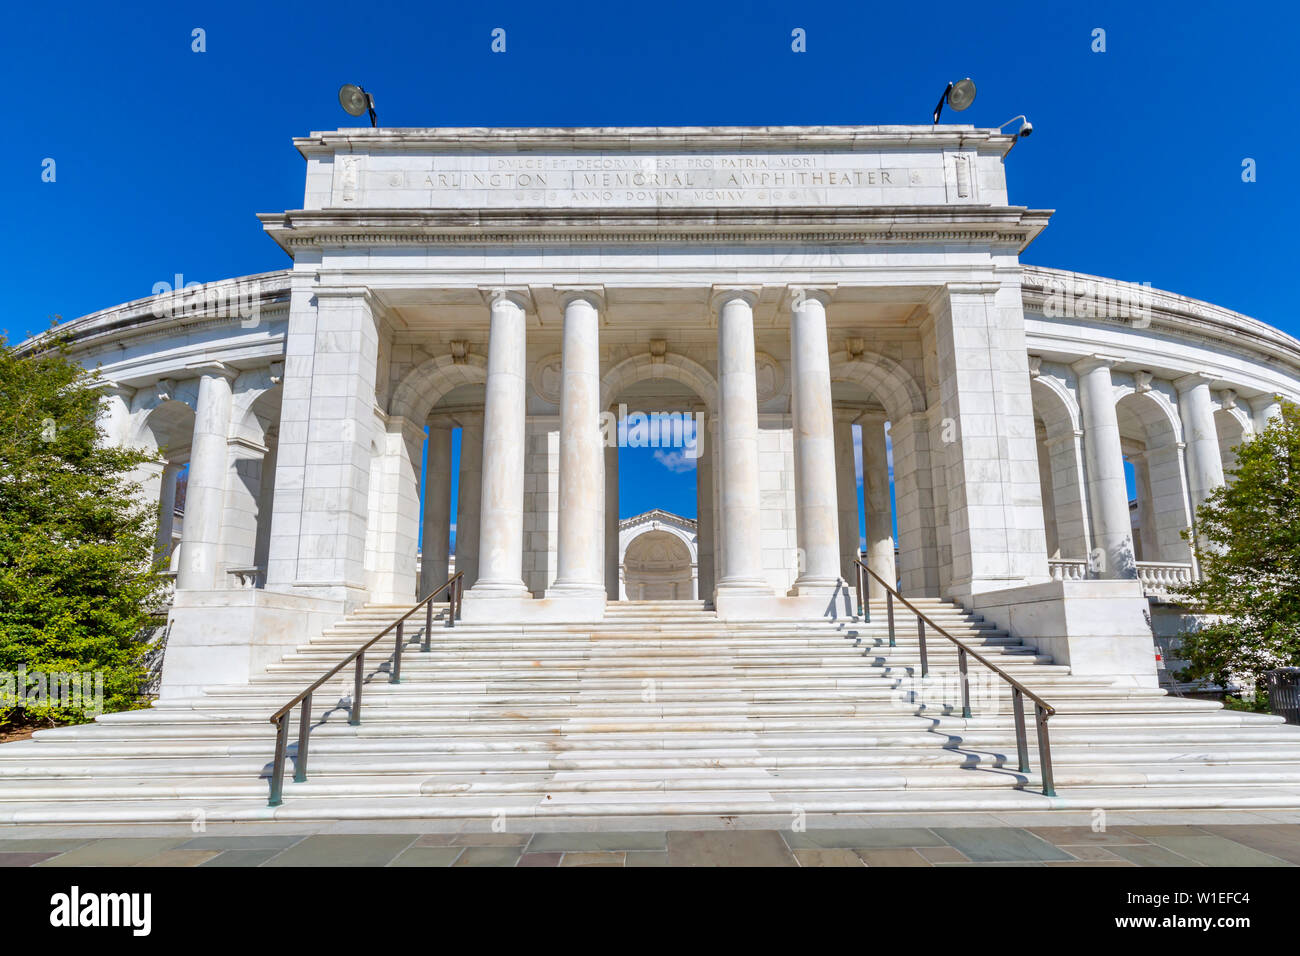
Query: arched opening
point(250, 489)
point(658, 565)
point(425, 480)
point(166, 431)
point(1232, 430)
point(1149, 440)
point(891, 491)
point(1060, 474)
point(662, 465)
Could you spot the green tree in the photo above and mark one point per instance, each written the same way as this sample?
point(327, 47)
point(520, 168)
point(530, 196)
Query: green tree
point(78, 584)
point(1248, 548)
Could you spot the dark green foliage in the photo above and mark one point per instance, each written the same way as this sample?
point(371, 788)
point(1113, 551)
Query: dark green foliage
point(1249, 555)
point(77, 582)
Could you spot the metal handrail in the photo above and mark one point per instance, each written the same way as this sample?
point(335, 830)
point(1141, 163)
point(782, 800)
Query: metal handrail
point(455, 588)
point(1042, 709)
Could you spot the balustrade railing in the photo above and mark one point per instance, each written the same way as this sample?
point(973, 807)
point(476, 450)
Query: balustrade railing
point(1161, 577)
point(1042, 709)
point(455, 588)
point(1066, 569)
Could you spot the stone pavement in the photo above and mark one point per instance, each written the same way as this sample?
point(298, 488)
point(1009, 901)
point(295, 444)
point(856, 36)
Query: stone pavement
point(1152, 845)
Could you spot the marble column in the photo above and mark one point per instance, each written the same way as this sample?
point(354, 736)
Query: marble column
point(738, 483)
point(813, 419)
point(205, 495)
point(1204, 459)
point(436, 531)
point(580, 561)
point(1263, 410)
point(468, 496)
point(846, 490)
point(876, 504)
point(1112, 534)
point(501, 518)
point(166, 512)
point(610, 503)
point(704, 520)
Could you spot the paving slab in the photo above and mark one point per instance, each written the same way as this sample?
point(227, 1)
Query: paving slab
point(428, 856)
point(728, 848)
point(574, 842)
point(1006, 845)
point(125, 851)
point(827, 858)
point(488, 856)
point(343, 850)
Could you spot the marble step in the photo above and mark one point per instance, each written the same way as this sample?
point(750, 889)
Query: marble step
point(683, 803)
point(255, 739)
point(850, 783)
point(327, 761)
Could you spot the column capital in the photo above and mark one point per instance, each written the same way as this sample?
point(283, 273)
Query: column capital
point(796, 294)
point(212, 369)
point(1091, 363)
point(1190, 381)
point(593, 295)
point(109, 387)
point(722, 294)
point(441, 420)
point(520, 295)
point(1262, 403)
point(875, 416)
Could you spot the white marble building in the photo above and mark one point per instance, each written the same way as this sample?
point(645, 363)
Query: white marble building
point(788, 284)
point(658, 558)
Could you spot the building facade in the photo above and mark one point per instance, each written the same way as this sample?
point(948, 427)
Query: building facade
point(801, 292)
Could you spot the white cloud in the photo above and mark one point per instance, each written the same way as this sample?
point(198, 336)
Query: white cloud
point(675, 461)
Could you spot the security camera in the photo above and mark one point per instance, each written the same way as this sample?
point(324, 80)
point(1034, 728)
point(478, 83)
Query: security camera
point(1026, 127)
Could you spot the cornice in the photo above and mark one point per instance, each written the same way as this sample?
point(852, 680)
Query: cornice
point(625, 138)
point(1014, 226)
point(1190, 318)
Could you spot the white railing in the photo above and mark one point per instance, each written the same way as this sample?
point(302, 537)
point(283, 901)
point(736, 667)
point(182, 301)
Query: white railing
point(1067, 569)
point(1161, 577)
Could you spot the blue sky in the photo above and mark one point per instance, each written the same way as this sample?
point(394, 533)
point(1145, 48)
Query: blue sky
point(163, 155)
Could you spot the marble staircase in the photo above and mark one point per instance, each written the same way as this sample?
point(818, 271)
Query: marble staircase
point(660, 709)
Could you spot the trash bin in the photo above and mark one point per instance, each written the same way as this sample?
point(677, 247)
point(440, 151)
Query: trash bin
point(1284, 693)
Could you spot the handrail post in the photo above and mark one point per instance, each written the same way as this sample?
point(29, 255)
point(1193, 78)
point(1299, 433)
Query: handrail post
point(277, 765)
point(889, 609)
point(304, 741)
point(396, 676)
point(358, 679)
point(920, 633)
point(1022, 738)
point(1044, 751)
point(460, 596)
point(965, 684)
point(428, 625)
point(857, 576)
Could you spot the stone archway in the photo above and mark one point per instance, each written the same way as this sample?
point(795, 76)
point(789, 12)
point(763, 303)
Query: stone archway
point(658, 557)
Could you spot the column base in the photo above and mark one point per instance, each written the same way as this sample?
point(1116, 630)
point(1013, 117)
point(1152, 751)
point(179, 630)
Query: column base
point(821, 586)
point(755, 605)
point(496, 607)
